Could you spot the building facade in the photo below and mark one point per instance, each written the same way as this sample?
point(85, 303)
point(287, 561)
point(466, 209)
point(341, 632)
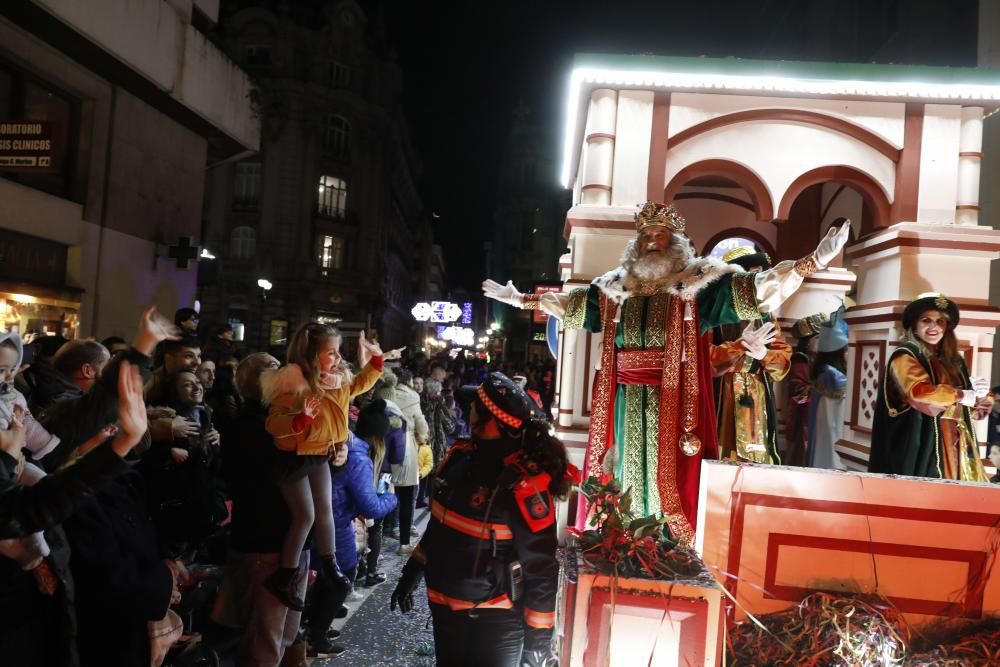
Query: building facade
point(328, 213)
point(109, 114)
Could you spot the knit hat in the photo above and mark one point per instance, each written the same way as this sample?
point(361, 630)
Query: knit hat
point(930, 301)
point(808, 327)
point(833, 334)
point(507, 402)
point(372, 421)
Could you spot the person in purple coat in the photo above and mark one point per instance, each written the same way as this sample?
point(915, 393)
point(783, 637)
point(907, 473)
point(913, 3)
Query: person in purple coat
point(353, 495)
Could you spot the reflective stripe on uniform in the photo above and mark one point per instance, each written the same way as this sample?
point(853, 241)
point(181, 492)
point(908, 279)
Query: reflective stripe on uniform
point(464, 524)
point(539, 619)
point(500, 602)
point(419, 555)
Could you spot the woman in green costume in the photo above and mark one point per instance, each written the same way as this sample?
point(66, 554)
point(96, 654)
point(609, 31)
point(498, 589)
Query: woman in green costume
point(927, 400)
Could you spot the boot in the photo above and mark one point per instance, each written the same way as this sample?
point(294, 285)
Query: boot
point(283, 582)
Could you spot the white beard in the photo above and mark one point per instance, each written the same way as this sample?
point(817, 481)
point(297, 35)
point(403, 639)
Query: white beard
point(658, 265)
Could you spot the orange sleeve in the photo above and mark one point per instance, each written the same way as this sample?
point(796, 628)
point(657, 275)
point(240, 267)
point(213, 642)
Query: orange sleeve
point(726, 357)
point(778, 360)
point(283, 425)
point(916, 385)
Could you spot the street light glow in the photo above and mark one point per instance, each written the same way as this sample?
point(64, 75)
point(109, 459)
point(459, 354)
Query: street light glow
point(205, 254)
point(264, 284)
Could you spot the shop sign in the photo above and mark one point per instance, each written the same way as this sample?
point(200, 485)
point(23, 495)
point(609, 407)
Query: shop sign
point(27, 146)
point(29, 259)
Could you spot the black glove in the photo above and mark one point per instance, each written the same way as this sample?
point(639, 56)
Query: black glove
point(537, 647)
point(408, 580)
point(329, 570)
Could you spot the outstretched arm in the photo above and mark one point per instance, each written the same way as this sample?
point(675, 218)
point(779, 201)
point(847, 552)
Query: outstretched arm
point(773, 286)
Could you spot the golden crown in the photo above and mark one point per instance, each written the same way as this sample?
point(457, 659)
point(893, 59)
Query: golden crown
point(662, 215)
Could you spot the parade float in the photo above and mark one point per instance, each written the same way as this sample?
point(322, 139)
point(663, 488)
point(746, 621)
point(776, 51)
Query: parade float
point(773, 154)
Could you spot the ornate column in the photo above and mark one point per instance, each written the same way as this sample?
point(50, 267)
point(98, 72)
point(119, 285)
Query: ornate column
point(599, 148)
point(970, 155)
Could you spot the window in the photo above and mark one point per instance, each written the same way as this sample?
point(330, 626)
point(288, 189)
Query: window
point(258, 54)
point(337, 138)
point(339, 75)
point(243, 243)
point(54, 119)
point(246, 190)
point(332, 197)
point(330, 253)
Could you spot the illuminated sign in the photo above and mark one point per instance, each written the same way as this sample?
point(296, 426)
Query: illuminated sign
point(438, 312)
point(463, 336)
point(466, 313)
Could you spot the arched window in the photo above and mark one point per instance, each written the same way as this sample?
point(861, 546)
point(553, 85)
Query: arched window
point(731, 243)
point(337, 138)
point(242, 243)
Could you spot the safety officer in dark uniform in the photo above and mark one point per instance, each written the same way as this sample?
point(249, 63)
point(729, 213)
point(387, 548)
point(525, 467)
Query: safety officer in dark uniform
point(488, 555)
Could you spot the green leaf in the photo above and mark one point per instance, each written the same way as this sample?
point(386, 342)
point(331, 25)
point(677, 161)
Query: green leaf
point(626, 502)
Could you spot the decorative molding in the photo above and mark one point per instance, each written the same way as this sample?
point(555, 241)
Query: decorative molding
point(599, 135)
point(743, 176)
point(802, 116)
point(869, 189)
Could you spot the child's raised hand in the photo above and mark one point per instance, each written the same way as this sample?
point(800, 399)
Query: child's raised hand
point(394, 354)
point(310, 408)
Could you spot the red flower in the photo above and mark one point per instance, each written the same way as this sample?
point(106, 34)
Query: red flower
point(606, 479)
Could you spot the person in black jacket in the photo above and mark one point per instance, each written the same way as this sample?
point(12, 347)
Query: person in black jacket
point(488, 555)
point(260, 519)
point(37, 608)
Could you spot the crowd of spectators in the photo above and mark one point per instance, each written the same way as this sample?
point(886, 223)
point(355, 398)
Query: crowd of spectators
point(141, 519)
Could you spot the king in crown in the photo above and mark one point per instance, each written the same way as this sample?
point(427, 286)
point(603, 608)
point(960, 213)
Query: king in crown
point(653, 413)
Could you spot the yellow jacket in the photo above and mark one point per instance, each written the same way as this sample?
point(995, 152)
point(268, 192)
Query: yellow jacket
point(425, 459)
point(285, 390)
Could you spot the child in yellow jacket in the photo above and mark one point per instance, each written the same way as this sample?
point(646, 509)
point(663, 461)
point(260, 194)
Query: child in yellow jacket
point(308, 402)
point(425, 459)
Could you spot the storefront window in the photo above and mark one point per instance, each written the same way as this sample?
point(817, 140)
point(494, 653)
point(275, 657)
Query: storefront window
point(25, 99)
point(32, 316)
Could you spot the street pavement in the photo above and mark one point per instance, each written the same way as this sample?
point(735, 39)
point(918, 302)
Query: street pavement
point(375, 636)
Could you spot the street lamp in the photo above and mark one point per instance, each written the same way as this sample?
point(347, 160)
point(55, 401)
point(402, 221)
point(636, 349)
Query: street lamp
point(265, 286)
point(205, 254)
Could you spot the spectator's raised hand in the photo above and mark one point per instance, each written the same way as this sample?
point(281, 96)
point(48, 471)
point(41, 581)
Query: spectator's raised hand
point(154, 328)
point(102, 435)
point(132, 418)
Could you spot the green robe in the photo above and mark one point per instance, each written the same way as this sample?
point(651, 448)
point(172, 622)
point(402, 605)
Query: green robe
point(906, 441)
point(642, 325)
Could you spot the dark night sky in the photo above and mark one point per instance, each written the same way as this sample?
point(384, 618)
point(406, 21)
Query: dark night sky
point(467, 64)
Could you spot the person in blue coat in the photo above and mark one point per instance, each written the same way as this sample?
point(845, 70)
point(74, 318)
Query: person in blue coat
point(353, 495)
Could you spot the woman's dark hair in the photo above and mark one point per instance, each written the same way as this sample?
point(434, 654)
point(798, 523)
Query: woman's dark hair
point(803, 345)
point(837, 359)
point(545, 450)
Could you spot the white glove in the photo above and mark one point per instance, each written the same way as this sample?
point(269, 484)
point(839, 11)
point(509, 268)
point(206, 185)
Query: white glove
point(831, 245)
point(755, 341)
point(968, 398)
point(981, 386)
point(503, 293)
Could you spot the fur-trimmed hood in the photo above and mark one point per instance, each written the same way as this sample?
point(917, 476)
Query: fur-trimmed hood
point(288, 379)
point(696, 276)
